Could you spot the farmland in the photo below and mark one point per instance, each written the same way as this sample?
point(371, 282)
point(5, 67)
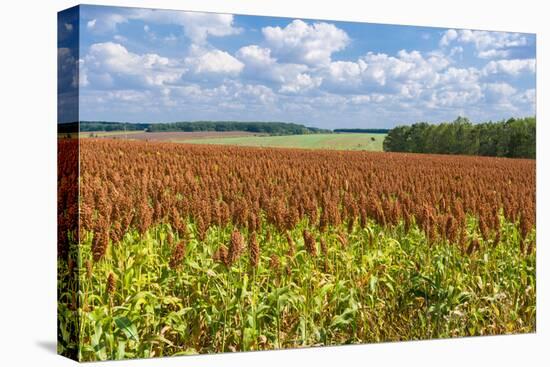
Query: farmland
point(340, 141)
point(187, 248)
point(169, 136)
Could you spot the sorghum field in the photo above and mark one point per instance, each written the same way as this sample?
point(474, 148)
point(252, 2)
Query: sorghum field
point(200, 249)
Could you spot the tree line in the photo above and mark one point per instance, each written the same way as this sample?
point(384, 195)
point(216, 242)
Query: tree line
point(86, 126)
point(362, 131)
point(513, 138)
point(271, 128)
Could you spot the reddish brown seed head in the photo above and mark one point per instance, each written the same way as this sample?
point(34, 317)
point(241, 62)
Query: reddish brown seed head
point(309, 243)
point(324, 248)
point(291, 245)
point(474, 245)
point(221, 255)
point(111, 284)
point(274, 263)
point(236, 246)
point(178, 252)
point(89, 269)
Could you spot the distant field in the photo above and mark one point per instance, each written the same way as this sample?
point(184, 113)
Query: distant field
point(171, 136)
point(344, 141)
point(107, 134)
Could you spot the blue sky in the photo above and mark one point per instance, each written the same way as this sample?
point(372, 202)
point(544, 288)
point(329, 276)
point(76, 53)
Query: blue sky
point(145, 65)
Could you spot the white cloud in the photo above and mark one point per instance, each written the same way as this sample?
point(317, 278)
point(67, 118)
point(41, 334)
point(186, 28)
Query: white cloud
point(409, 79)
point(493, 54)
point(126, 96)
point(489, 45)
point(511, 67)
point(294, 74)
point(457, 50)
point(256, 56)
point(119, 38)
point(104, 61)
point(346, 71)
point(107, 22)
point(448, 36)
point(257, 93)
point(507, 99)
point(67, 69)
point(300, 83)
point(304, 43)
point(501, 89)
point(457, 88)
point(197, 26)
point(527, 97)
point(459, 77)
point(213, 62)
point(406, 73)
point(261, 66)
point(455, 98)
point(82, 74)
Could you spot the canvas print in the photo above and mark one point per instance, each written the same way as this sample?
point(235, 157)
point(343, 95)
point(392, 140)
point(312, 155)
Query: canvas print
point(232, 183)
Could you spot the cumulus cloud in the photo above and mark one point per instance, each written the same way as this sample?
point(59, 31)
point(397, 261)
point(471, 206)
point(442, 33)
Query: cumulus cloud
point(449, 36)
point(513, 67)
point(229, 100)
point(108, 60)
point(67, 66)
point(256, 56)
point(295, 72)
point(527, 97)
point(488, 45)
point(502, 96)
point(290, 78)
point(346, 72)
point(213, 62)
point(300, 83)
point(106, 22)
point(381, 72)
point(500, 89)
point(196, 26)
point(300, 42)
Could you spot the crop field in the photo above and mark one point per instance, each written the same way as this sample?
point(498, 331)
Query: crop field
point(340, 141)
point(168, 136)
point(110, 134)
point(178, 249)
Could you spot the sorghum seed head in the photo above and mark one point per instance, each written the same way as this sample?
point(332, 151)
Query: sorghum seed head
point(111, 284)
point(178, 253)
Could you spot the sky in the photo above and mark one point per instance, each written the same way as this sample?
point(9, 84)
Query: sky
point(143, 65)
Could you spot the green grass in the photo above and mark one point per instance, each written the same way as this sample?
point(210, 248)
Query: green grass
point(346, 141)
point(382, 284)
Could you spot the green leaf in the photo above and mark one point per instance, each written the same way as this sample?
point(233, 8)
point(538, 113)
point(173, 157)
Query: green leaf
point(373, 281)
point(129, 329)
point(96, 337)
point(121, 350)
